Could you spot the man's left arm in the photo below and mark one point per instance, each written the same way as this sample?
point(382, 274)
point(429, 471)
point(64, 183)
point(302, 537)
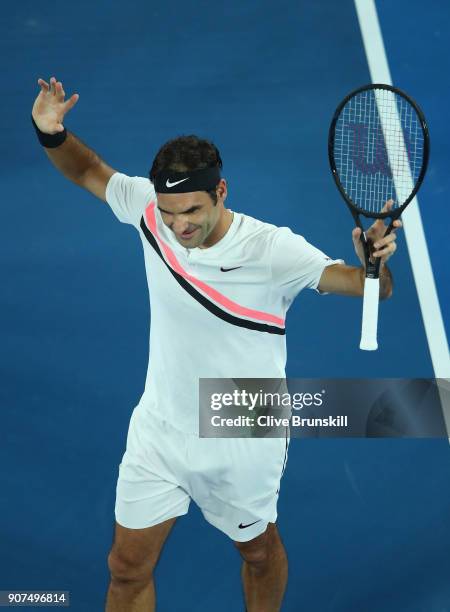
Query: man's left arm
point(349, 280)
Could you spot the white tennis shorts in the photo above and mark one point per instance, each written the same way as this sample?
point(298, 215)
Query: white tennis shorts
point(234, 481)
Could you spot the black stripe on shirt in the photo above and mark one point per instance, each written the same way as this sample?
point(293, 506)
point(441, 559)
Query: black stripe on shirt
point(213, 308)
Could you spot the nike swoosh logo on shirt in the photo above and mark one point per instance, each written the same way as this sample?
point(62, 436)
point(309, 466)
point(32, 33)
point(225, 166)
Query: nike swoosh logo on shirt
point(229, 269)
point(169, 184)
point(241, 526)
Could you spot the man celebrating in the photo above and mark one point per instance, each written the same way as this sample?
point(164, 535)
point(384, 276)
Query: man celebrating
point(220, 285)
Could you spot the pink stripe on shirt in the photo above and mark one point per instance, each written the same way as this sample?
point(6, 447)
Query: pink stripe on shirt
point(215, 295)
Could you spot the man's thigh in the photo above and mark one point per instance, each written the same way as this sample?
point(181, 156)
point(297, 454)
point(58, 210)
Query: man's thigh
point(149, 490)
point(237, 482)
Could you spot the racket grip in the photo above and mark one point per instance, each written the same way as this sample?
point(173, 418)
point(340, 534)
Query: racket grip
point(370, 315)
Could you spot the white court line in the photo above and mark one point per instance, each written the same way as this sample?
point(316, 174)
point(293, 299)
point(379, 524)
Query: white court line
point(412, 221)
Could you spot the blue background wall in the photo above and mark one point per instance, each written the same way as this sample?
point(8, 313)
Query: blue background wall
point(365, 522)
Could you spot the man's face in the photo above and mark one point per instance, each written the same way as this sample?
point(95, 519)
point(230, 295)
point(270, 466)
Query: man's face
point(191, 216)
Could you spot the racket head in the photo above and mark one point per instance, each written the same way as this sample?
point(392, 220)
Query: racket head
point(378, 149)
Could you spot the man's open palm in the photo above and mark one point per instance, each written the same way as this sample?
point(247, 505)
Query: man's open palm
point(49, 107)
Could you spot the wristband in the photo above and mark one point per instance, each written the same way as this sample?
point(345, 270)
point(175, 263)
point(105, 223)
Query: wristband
point(49, 141)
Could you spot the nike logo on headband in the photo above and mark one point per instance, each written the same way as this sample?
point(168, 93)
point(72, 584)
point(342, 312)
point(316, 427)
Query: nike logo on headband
point(169, 184)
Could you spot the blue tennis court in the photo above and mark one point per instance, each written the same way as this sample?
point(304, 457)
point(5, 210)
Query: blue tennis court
point(365, 522)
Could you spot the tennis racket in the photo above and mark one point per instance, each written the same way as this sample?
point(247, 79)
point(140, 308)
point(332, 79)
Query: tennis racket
point(378, 147)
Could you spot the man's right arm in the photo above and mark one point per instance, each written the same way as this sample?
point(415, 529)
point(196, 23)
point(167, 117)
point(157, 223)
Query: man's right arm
point(72, 158)
point(81, 165)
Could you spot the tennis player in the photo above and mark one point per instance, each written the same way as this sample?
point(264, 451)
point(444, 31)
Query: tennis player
point(220, 285)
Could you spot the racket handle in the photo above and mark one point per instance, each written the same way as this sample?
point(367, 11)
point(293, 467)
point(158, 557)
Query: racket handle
point(370, 315)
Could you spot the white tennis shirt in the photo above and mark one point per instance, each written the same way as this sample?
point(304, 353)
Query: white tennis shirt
point(207, 323)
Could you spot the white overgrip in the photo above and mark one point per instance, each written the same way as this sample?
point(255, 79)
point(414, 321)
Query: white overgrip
point(370, 315)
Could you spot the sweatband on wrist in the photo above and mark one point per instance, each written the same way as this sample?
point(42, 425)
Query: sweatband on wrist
point(49, 141)
point(168, 181)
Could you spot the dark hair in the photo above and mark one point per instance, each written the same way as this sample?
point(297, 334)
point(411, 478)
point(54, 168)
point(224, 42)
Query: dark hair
point(187, 153)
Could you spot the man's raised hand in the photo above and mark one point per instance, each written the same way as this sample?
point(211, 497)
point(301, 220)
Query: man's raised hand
point(49, 107)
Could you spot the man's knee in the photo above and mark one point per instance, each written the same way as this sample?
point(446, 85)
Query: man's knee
point(255, 552)
point(135, 552)
point(125, 568)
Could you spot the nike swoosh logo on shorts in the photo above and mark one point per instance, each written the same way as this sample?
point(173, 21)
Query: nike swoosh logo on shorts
point(241, 526)
point(229, 269)
point(169, 184)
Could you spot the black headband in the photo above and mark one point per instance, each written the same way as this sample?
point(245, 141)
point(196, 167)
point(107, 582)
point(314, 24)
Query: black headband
point(168, 181)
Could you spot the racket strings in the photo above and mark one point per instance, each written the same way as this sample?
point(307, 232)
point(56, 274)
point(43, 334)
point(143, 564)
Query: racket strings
point(378, 149)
